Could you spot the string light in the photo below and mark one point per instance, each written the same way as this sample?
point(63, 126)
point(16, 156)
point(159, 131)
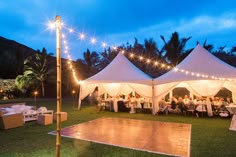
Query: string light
point(163, 65)
point(71, 30)
point(114, 48)
point(82, 36)
point(51, 25)
point(104, 44)
point(93, 40)
point(156, 63)
point(176, 69)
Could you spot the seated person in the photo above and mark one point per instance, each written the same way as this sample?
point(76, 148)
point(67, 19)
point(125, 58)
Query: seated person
point(229, 100)
point(173, 105)
point(162, 106)
point(186, 100)
point(200, 106)
point(181, 105)
point(216, 104)
point(191, 105)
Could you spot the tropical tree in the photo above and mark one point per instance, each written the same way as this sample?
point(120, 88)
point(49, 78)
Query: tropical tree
point(174, 48)
point(208, 47)
point(137, 48)
point(225, 55)
point(25, 81)
point(91, 59)
point(151, 49)
point(35, 72)
point(106, 57)
point(233, 50)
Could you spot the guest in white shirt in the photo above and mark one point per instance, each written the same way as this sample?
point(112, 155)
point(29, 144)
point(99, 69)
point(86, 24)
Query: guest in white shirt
point(186, 100)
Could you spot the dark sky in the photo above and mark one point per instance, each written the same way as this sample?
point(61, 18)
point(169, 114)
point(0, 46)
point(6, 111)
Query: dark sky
point(117, 22)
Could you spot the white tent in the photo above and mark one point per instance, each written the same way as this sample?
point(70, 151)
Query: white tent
point(197, 72)
point(119, 77)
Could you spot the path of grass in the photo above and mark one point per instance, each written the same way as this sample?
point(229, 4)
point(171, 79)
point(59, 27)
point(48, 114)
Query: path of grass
point(210, 136)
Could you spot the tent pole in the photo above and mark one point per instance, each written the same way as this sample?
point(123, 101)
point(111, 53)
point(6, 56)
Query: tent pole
point(153, 99)
point(171, 94)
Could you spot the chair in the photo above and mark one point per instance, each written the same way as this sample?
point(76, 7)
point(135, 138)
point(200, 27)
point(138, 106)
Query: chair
point(191, 109)
point(201, 109)
point(41, 109)
point(30, 115)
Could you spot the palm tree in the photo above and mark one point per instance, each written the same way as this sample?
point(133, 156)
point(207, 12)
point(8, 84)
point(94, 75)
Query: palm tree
point(107, 56)
point(25, 81)
point(174, 48)
point(151, 49)
point(233, 50)
point(35, 71)
point(226, 56)
point(208, 47)
point(91, 59)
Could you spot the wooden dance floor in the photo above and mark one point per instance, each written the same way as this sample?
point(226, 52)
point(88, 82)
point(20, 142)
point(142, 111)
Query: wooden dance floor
point(151, 136)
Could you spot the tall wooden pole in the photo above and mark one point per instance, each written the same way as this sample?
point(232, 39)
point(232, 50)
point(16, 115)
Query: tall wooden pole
point(58, 45)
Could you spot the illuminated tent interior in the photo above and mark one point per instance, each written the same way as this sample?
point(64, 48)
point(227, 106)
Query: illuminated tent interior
point(119, 77)
point(201, 73)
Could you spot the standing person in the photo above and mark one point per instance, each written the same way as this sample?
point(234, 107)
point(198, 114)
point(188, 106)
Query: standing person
point(141, 100)
point(97, 100)
point(209, 107)
point(132, 104)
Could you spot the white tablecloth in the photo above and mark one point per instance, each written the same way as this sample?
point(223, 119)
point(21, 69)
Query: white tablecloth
point(232, 110)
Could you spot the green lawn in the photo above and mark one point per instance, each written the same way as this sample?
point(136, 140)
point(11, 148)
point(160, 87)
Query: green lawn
point(210, 136)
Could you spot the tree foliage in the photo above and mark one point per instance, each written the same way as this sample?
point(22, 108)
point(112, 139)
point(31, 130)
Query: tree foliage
point(36, 72)
point(33, 68)
point(172, 51)
point(174, 48)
